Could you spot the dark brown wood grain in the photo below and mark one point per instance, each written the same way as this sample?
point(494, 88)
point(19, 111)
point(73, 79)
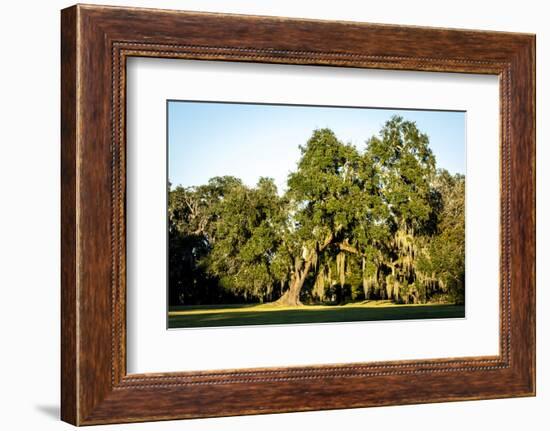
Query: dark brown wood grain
point(68, 216)
point(96, 41)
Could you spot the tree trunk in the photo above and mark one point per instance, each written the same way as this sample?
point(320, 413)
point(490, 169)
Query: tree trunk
point(301, 270)
point(292, 296)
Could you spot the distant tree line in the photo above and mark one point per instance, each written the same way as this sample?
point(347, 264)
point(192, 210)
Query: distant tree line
point(382, 223)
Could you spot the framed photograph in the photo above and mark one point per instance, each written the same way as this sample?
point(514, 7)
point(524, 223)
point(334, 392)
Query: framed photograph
point(265, 214)
point(289, 225)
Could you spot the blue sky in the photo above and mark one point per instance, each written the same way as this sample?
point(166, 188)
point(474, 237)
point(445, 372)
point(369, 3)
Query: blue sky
point(207, 139)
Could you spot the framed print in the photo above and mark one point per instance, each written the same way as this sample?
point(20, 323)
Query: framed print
point(258, 208)
point(275, 245)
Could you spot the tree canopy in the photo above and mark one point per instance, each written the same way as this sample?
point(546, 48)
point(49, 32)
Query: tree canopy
point(378, 223)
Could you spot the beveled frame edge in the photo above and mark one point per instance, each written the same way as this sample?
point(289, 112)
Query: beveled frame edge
point(95, 43)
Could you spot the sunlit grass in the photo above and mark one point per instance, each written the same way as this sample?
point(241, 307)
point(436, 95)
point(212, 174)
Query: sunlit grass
point(270, 314)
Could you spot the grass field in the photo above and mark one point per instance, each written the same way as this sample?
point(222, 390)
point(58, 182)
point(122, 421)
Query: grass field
point(268, 314)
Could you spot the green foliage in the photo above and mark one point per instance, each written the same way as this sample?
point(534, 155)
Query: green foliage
point(381, 223)
point(248, 233)
point(444, 257)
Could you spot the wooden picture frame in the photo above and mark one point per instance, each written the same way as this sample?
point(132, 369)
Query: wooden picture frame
point(95, 43)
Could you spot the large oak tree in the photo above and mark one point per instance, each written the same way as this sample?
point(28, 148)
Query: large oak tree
point(380, 222)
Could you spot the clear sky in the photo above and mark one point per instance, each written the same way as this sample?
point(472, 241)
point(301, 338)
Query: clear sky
point(250, 141)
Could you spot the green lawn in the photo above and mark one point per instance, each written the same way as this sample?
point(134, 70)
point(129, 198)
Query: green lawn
point(267, 314)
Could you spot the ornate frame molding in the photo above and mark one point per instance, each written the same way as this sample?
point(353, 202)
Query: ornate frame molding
point(96, 41)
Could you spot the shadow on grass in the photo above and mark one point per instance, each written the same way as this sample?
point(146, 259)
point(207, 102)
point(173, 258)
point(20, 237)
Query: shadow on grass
point(209, 307)
point(328, 315)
